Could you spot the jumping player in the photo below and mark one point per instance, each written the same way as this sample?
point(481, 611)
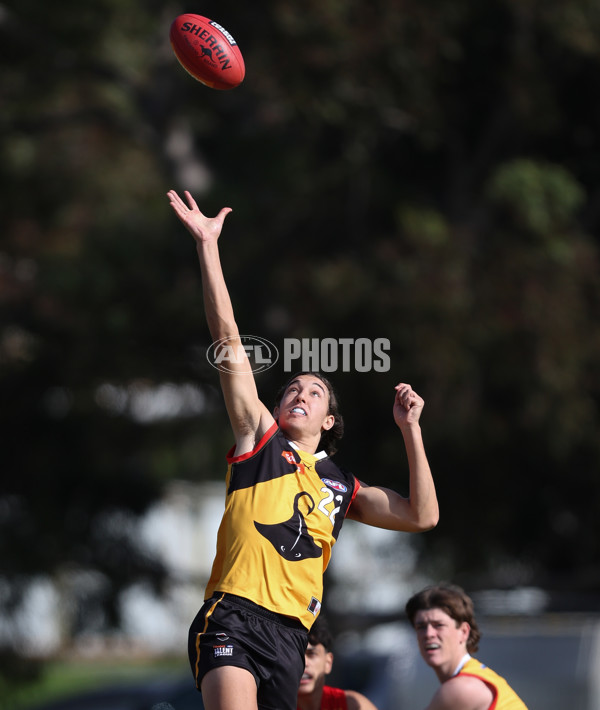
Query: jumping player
point(313, 694)
point(284, 506)
point(447, 634)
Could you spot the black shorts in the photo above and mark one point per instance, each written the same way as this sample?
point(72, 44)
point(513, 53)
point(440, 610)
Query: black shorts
point(233, 631)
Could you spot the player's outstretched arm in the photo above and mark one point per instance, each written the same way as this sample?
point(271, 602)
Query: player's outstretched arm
point(385, 508)
point(206, 232)
point(248, 416)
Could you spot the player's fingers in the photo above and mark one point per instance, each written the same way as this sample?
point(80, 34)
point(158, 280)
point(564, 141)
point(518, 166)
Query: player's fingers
point(223, 213)
point(403, 390)
point(408, 398)
point(176, 202)
point(191, 201)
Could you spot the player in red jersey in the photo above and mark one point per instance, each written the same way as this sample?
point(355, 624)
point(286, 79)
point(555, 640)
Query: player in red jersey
point(313, 694)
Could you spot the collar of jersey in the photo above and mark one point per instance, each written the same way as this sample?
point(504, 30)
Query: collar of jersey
point(461, 665)
point(318, 456)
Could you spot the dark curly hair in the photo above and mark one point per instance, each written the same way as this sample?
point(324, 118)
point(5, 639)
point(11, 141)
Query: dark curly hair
point(452, 600)
point(320, 634)
point(331, 437)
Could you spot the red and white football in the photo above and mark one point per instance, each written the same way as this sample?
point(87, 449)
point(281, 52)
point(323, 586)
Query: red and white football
point(207, 51)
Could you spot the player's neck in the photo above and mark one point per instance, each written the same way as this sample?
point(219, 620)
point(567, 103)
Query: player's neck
point(452, 667)
point(310, 701)
point(308, 444)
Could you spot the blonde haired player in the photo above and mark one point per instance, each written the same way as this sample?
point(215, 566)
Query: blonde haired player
point(447, 634)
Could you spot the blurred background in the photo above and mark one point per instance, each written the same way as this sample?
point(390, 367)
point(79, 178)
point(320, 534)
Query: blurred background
point(427, 173)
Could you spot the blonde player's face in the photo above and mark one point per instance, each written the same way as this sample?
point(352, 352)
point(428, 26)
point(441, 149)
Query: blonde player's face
point(442, 642)
point(318, 664)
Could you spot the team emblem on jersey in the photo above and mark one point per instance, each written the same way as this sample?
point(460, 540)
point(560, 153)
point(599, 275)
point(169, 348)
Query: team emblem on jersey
point(291, 538)
point(336, 485)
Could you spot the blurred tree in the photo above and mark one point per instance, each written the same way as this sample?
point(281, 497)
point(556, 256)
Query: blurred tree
point(426, 174)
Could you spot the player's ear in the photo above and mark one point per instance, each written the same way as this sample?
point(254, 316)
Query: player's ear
point(328, 422)
point(465, 629)
point(328, 662)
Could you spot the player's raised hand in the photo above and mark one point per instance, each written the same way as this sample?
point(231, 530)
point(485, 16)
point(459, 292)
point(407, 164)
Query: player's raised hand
point(408, 405)
point(202, 228)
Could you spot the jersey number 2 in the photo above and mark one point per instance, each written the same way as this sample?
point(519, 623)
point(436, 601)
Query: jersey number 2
point(324, 502)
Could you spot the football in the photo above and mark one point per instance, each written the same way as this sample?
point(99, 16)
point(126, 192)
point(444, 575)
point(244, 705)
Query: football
point(207, 51)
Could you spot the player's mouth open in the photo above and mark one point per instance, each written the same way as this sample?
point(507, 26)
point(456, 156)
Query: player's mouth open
point(298, 410)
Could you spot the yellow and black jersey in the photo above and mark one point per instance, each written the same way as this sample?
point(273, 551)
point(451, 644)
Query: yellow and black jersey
point(505, 697)
point(284, 509)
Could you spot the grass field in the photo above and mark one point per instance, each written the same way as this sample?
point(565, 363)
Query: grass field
point(64, 677)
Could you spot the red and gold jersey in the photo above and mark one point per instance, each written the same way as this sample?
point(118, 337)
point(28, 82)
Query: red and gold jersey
point(505, 697)
point(284, 509)
point(333, 699)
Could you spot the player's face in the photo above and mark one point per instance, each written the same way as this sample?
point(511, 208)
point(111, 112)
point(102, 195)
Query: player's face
point(305, 406)
point(318, 663)
point(442, 642)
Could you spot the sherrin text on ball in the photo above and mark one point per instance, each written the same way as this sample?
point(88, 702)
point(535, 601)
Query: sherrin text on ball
point(207, 51)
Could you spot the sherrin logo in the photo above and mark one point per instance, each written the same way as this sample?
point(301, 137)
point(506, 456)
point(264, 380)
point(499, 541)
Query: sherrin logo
point(211, 48)
point(336, 485)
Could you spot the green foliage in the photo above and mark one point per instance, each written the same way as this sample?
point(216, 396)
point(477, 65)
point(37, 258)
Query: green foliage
point(542, 198)
point(425, 173)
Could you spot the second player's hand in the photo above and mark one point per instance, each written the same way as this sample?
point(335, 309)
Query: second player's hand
point(201, 227)
point(408, 405)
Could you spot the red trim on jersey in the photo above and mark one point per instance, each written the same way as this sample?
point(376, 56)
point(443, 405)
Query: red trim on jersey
point(356, 487)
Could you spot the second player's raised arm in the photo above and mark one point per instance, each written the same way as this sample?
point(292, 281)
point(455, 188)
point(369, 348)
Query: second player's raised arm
point(385, 508)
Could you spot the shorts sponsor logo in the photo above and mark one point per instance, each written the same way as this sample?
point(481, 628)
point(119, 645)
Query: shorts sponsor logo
point(336, 485)
point(220, 651)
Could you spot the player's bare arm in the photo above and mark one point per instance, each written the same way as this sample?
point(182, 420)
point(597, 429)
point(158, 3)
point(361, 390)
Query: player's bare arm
point(358, 701)
point(462, 693)
point(248, 416)
point(384, 508)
